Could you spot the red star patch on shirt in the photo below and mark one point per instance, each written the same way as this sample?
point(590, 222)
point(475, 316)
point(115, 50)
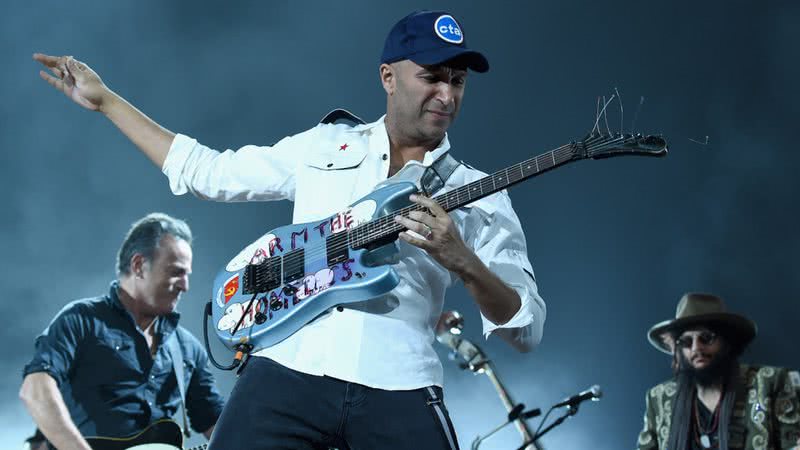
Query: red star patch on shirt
point(343, 147)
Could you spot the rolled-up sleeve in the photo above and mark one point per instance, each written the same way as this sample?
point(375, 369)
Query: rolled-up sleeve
point(251, 173)
point(57, 346)
point(493, 231)
point(203, 400)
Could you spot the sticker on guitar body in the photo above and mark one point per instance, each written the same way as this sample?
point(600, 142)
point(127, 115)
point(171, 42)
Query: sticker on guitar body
point(227, 290)
point(278, 300)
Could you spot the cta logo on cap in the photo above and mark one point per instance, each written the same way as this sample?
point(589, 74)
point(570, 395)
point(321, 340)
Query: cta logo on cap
point(447, 28)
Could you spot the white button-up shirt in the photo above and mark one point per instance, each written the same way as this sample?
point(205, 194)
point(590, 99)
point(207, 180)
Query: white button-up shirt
point(386, 342)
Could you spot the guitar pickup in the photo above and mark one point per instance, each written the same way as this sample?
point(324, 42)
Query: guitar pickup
point(294, 265)
point(263, 277)
point(337, 249)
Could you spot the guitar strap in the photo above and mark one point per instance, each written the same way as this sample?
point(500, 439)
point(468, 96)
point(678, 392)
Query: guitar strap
point(176, 354)
point(435, 175)
point(342, 114)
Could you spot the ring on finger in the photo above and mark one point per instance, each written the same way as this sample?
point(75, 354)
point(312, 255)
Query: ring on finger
point(429, 233)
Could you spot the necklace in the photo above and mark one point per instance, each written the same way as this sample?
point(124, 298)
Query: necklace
point(703, 435)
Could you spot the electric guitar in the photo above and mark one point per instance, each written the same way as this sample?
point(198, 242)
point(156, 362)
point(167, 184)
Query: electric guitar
point(294, 273)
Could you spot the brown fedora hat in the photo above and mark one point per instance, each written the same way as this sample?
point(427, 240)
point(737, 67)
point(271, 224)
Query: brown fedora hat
point(701, 309)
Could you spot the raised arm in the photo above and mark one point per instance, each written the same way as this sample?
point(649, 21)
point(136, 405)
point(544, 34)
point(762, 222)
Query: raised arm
point(83, 86)
point(40, 394)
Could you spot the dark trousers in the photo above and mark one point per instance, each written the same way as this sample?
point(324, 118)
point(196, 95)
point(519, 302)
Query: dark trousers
point(273, 407)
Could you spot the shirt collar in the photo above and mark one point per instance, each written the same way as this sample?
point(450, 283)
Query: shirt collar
point(430, 156)
point(164, 324)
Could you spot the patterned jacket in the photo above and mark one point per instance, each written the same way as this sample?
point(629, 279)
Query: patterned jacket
point(766, 414)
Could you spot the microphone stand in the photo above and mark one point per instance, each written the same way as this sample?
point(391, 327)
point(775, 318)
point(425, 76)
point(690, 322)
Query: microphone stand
point(520, 424)
point(571, 411)
point(448, 332)
point(517, 416)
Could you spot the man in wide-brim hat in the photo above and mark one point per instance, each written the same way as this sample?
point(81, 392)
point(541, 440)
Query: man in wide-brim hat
point(713, 401)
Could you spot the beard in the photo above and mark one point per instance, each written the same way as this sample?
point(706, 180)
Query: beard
point(720, 368)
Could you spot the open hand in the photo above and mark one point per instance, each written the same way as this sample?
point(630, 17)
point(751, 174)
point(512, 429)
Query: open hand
point(75, 79)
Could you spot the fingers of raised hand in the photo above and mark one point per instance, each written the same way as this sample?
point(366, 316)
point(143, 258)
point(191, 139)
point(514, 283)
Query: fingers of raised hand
point(47, 60)
point(53, 81)
point(62, 66)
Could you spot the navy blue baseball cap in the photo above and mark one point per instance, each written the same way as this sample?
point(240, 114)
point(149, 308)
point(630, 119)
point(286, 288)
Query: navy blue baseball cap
point(430, 37)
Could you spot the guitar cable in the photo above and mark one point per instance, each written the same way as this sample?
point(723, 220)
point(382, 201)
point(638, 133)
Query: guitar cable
point(242, 350)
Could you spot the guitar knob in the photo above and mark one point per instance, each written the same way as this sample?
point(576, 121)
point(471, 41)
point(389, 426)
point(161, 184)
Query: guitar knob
point(260, 318)
point(289, 290)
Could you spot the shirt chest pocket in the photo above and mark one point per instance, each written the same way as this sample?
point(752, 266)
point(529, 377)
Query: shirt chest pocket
point(326, 183)
point(331, 162)
point(115, 356)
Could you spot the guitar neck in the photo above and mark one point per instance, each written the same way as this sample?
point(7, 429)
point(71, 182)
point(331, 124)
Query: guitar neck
point(505, 178)
point(384, 228)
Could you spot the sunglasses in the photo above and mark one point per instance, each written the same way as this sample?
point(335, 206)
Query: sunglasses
point(705, 338)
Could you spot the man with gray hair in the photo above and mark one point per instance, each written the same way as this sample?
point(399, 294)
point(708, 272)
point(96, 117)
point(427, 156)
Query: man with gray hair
point(107, 366)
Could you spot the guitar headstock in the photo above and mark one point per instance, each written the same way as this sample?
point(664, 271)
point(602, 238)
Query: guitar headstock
point(606, 145)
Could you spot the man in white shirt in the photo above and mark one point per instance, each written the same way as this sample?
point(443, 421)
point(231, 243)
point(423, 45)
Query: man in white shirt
point(365, 376)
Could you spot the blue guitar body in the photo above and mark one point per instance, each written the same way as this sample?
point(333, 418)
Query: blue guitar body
point(313, 268)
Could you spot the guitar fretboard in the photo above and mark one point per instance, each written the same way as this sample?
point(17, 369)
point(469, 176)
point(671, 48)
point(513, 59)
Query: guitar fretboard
point(385, 227)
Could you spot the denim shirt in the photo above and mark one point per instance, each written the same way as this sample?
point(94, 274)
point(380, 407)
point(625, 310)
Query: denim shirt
point(111, 384)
